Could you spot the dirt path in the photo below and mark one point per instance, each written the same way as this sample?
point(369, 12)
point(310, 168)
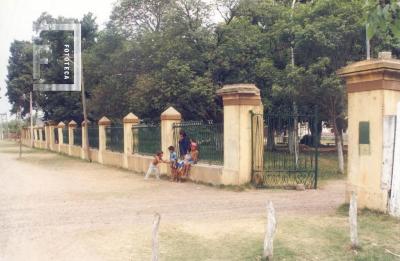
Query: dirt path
point(58, 208)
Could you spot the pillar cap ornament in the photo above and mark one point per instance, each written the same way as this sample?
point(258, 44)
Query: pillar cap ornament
point(83, 124)
point(375, 74)
point(131, 118)
point(61, 124)
point(104, 121)
point(240, 94)
point(171, 114)
point(72, 124)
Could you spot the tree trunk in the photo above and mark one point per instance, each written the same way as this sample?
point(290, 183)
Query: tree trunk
point(339, 144)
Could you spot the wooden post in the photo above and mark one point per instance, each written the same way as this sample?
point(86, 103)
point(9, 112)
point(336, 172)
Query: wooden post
point(353, 221)
point(270, 232)
point(155, 245)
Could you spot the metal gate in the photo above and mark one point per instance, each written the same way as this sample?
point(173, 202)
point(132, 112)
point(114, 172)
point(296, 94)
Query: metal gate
point(284, 151)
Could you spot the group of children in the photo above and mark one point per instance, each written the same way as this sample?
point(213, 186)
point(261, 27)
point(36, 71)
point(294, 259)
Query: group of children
point(180, 167)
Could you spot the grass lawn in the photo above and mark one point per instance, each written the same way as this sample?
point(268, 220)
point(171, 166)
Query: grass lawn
point(297, 238)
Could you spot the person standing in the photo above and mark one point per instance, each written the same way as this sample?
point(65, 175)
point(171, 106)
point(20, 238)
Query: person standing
point(184, 144)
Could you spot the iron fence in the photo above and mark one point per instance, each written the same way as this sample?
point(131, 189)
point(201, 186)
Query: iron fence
point(55, 131)
point(115, 138)
point(78, 137)
point(43, 134)
point(65, 135)
point(146, 138)
point(209, 137)
point(93, 133)
point(290, 149)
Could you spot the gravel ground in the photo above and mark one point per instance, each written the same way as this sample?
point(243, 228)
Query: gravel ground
point(58, 208)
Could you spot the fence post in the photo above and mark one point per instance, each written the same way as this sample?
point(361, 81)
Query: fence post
point(239, 100)
point(83, 147)
point(50, 135)
point(71, 126)
point(60, 128)
point(129, 121)
point(168, 118)
point(103, 123)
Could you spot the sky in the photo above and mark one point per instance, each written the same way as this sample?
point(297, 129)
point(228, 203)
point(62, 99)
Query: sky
point(16, 17)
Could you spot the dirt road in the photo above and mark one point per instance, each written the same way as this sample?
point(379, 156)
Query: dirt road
point(58, 208)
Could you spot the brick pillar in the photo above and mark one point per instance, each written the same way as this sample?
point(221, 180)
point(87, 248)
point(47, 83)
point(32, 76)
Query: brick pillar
point(71, 126)
point(60, 128)
point(168, 118)
point(129, 121)
point(373, 91)
point(50, 135)
point(239, 101)
point(41, 142)
point(103, 123)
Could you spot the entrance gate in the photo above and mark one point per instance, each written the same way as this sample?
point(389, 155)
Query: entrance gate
point(283, 150)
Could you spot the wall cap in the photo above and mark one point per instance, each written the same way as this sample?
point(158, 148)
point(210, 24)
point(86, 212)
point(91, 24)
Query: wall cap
point(171, 114)
point(240, 88)
point(104, 121)
point(72, 124)
point(84, 123)
point(370, 65)
point(131, 118)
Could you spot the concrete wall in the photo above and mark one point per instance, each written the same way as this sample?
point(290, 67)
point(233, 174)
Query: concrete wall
point(111, 158)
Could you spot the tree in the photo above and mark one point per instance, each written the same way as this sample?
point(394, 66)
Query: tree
point(19, 78)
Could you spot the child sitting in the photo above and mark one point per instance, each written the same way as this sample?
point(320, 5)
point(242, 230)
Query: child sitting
point(153, 167)
point(187, 162)
point(173, 160)
point(194, 150)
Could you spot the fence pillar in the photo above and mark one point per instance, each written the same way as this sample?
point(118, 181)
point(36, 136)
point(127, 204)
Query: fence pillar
point(35, 136)
point(71, 126)
point(60, 128)
point(103, 123)
point(129, 121)
point(50, 135)
point(168, 118)
point(373, 91)
point(239, 101)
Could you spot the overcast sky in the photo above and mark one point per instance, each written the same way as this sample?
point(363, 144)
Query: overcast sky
point(16, 17)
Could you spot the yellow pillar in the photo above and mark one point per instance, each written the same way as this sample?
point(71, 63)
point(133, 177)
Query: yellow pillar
point(129, 121)
point(373, 90)
point(41, 143)
point(50, 135)
point(71, 126)
point(60, 128)
point(239, 100)
point(168, 118)
point(103, 123)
